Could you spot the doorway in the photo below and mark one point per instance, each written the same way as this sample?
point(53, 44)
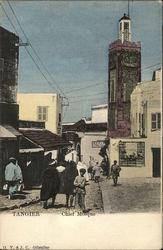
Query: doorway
point(156, 162)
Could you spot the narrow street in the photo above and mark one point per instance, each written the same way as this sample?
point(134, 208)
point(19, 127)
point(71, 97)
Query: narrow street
point(94, 203)
point(129, 196)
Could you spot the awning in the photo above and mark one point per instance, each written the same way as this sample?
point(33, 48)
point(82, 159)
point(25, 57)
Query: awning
point(45, 139)
point(12, 130)
point(30, 150)
point(5, 133)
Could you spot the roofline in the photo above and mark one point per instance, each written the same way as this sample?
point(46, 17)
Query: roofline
point(36, 144)
point(100, 107)
point(125, 17)
point(33, 93)
point(102, 133)
point(9, 31)
point(33, 150)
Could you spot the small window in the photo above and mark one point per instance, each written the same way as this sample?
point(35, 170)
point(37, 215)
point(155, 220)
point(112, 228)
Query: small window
point(155, 121)
point(126, 26)
point(112, 91)
point(42, 113)
point(140, 122)
point(59, 117)
point(120, 26)
point(159, 120)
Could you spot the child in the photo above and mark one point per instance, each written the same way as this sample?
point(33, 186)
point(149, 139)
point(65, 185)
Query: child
point(80, 183)
point(115, 169)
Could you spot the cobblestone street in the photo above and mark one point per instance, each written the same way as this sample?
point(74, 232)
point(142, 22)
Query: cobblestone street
point(131, 195)
point(94, 204)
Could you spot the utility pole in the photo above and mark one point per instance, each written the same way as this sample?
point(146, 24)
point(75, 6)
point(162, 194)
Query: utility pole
point(128, 8)
point(65, 101)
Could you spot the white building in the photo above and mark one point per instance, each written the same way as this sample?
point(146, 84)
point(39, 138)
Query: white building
point(91, 143)
point(139, 155)
point(46, 107)
point(94, 138)
point(146, 109)
point(87, 139)
point(100, 113)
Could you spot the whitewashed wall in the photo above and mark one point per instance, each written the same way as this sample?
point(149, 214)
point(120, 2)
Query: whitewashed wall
point(86, 146)
point(99, 114)
point(129, 172)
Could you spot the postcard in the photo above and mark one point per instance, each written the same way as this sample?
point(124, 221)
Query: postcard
point(80, 124)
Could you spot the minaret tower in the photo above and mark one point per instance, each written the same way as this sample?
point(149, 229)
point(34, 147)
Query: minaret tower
point(124, 71)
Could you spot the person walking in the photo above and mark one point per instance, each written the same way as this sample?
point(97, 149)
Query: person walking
point(13, 176)
point(80, 183)
point(115, 169)
point(97, 172)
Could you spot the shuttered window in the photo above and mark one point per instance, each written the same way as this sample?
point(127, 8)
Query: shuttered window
point(155, 121)
point(42, 113)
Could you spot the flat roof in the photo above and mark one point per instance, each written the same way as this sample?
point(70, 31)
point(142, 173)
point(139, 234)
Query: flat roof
point(100, 106)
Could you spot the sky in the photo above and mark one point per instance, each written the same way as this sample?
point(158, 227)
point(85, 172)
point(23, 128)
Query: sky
point(72, 39)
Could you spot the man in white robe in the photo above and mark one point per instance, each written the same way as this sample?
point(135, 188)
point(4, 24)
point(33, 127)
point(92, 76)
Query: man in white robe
point(13, 176)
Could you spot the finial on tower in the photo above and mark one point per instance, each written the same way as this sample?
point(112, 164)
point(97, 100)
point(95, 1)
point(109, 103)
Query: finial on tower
point(128, 8)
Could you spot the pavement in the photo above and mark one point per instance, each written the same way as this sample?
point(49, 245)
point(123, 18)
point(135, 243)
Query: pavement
point(32, 203)
point(131, 195)
point(26, 198)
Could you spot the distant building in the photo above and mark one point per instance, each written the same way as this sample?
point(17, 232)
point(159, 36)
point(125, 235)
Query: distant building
point(99, 113)
point(87, 139)
point(87, 135)
point(124, 73)
point(42, 107)
point(157, 75)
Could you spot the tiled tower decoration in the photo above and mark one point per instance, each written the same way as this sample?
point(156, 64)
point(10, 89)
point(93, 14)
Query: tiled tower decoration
point(124, 73)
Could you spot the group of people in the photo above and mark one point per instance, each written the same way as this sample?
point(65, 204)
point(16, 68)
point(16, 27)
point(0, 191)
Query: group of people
point(52, 180)
point(64, 178)
point(94, 171)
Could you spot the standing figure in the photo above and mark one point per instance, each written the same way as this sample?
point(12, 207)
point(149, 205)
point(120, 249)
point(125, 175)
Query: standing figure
point(80, 183)
point(104, 166)
point(97, 172)
point(50, 185)
point(115, 169)
point(90, 169)
point(13, 176)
